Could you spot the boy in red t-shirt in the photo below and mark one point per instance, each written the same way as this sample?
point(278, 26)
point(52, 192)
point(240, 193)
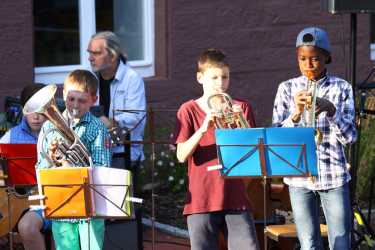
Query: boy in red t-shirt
point(213, 203)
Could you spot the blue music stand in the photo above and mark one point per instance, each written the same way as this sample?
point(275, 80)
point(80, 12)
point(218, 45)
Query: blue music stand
point(266, 153)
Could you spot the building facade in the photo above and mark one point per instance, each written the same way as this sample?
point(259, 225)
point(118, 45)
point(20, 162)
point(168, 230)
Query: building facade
point(257, 36)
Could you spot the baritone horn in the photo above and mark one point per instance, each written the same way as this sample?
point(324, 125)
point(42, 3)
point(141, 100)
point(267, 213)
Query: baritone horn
point(69, 146)
point(221, 105)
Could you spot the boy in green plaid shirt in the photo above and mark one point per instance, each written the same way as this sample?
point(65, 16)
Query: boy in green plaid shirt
point(80, 88)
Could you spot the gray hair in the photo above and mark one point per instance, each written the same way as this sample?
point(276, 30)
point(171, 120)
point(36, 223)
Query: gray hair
point(113, 44)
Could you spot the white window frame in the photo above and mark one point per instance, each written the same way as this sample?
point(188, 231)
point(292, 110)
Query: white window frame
point(87, 27)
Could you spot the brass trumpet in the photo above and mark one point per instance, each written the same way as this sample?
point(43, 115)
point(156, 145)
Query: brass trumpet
point(225, 117)
point(309, 114)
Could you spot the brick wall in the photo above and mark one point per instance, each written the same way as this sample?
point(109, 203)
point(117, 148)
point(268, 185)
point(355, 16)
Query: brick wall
point(259, 39)
point(16, 63)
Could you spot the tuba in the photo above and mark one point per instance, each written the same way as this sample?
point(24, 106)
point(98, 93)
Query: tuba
point(309, 117)
point(225, 117)
point(69, 147)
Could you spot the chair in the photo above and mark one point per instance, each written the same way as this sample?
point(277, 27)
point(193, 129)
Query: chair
point(287, 232)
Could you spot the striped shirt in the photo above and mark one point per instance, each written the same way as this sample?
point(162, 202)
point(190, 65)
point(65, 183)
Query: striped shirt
point(337, 131)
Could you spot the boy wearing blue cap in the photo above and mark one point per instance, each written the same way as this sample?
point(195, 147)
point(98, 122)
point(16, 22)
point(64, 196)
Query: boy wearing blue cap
point(334, 119)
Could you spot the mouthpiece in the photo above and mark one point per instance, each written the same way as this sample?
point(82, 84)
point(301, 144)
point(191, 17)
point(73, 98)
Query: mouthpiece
point(310, 74)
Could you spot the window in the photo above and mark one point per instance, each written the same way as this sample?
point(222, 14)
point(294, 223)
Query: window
point(62, 30)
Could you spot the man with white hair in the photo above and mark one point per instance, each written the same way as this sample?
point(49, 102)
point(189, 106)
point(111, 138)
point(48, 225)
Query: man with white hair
point(120, 89)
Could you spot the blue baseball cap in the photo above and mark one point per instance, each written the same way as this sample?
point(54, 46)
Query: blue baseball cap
point(314, 36)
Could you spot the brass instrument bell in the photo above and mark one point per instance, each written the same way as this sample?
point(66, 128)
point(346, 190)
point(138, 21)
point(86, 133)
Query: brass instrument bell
point(225, 117)
point(70, 146)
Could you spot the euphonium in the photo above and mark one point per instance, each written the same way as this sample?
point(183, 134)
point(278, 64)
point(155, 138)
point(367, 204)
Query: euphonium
point(309, 115)
point(69, 147)
point(225, 117)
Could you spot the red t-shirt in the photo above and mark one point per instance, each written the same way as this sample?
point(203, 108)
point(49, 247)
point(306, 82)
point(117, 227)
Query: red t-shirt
point(207, 190)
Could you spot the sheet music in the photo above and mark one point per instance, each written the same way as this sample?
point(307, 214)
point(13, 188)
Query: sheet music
point(117, 194)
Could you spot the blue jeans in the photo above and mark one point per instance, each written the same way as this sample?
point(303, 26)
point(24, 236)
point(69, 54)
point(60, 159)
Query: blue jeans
point(238, 228)
point(337, 211)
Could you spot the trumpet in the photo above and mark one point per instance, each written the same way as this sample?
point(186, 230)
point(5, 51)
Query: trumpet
point(309, 116)
point(225, 117)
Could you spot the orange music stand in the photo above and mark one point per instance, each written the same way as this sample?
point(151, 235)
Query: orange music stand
point(83, 192)
point(65, 191)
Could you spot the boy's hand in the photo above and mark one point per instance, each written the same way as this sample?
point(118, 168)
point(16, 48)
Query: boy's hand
point(56, 154)
point(323, 105)
point(237, 108)
point(300, 100)
point(207, 123)
point(53, 153)
point(109, 123)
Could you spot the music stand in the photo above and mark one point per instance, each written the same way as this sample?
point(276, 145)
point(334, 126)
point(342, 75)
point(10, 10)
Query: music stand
point(266, 153)
point(18, 165)
point(84, 193)
point(81, 192)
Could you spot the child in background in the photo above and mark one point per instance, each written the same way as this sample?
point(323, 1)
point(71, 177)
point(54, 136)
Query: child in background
point(31, 225)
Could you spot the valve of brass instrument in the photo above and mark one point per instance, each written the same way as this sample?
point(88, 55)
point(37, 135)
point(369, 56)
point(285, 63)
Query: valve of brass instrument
point(311, 106)
point(310, 90)
point(226, 114)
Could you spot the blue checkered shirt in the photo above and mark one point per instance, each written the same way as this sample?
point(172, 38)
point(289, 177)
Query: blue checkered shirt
point(337, 131)
point(93, 134)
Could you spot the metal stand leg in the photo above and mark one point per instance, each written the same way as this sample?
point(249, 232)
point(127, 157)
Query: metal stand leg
point(265, 212)
point(153, 195)
point(88, 232)
point(10, 220)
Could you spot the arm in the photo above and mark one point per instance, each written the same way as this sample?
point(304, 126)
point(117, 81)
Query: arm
point(134, 99)
point(100, 148)
point(284, 113)
point(42, 147)
point(186, 149)
point(343, 121)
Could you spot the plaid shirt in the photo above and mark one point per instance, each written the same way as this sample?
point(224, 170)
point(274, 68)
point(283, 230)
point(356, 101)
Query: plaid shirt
point(93, 134)
point(337, 131)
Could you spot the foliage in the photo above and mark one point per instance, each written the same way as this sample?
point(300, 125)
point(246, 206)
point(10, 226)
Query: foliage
point(168, 171)
point(162, 172)
point(366, 159)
